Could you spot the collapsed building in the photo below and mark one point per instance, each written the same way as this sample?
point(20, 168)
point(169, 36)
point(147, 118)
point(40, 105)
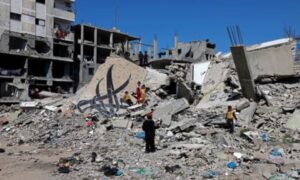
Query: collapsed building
point(41, 49)
point(184, 65)
point(36, 46)
point(188, 91)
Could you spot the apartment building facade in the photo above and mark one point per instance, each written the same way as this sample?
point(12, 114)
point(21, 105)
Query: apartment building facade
point(36, 45)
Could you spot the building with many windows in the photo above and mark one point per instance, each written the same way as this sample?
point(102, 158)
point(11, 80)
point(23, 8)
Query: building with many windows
point(36, 46)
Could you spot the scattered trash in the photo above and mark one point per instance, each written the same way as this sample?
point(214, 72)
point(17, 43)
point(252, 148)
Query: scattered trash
point(140, 135)
point(232, 165)
point(172, 169)
point(265, 137)
point(238, 155)
point(109, 171)
point(143, 171)
point(94, 156)
point(211, 174)
point(277, 152)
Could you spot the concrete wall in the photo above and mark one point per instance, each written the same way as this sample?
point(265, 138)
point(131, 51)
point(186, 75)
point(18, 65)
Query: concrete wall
point(199, 72)
point(41, 11)
point(271, 61)
point(242, 64)
point(16, 6)
point(28, 24)
point(4, 15)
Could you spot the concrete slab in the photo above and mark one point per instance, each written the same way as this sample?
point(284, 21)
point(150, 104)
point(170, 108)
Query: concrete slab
point(244, 103)
point(294, 121)
point(165, 110)
point(271, 61)
point(248, 113)
point(154, 79)
point(120, 123)
point(183, 91)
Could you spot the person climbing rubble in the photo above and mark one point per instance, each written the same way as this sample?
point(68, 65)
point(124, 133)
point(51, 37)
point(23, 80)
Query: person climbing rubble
point(149, 127)
point(230, 117)
point(127, 98)
point(138, 93)
point(143, 94)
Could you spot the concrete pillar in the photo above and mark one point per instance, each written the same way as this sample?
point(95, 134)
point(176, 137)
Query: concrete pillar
point(81, 54)
point(175, 46)
point(140, 45)
point(49, 70)
point(136, 49)
point(243, 70)
point(149, 52)
point(81, 40)
point(155, 48)
point(26, 67)
point(95, 45)
point(111, 40)
point(126, 48)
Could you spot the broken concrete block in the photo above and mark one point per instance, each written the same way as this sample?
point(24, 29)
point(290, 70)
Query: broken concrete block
point(294, 121)
point(51, 108)
point(248, 113)
point(154, 79)
point(183, 125)
point(183, 91)
point(286, 109)
point(49, 94)
point(244, 103)
point(165, 111)
point(13, 115)
point(3, 121)
point(119, 123)
point(188, 146)
point(29, 104)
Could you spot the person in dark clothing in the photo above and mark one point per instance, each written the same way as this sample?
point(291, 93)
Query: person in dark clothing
point(146, 58)
point(149, 128)
point(141, 58)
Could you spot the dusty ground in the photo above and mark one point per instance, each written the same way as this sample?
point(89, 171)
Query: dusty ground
point(26, 162)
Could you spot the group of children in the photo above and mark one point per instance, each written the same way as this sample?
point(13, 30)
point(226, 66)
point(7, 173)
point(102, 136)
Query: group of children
point(140, 95)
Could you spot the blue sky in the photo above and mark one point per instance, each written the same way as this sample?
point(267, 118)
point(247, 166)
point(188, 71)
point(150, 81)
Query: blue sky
point(259, 20)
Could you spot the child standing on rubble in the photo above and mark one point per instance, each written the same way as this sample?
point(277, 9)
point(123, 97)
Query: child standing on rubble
point(230, 116)
point(149, 129)
point(143, 94)
point(138, 93)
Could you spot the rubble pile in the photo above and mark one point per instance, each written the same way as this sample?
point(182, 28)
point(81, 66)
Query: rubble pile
point(191, 143)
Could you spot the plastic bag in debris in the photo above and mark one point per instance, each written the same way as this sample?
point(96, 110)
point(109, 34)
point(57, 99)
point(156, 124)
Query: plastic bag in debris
point(265, 137)
point(144, 171)
point(277, 152)
point(232, 165)
point(210, 174)
point(140, 135)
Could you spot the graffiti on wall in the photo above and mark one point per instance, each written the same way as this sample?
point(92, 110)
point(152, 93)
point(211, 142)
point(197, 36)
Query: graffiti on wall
point(107, 105)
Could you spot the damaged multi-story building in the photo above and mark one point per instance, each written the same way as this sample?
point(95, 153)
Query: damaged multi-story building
point(36, 46)
point(93, 45)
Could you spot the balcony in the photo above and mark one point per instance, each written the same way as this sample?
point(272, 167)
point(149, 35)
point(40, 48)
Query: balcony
point(64, 14)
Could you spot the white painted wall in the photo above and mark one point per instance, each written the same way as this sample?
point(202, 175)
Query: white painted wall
point(199, 72)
